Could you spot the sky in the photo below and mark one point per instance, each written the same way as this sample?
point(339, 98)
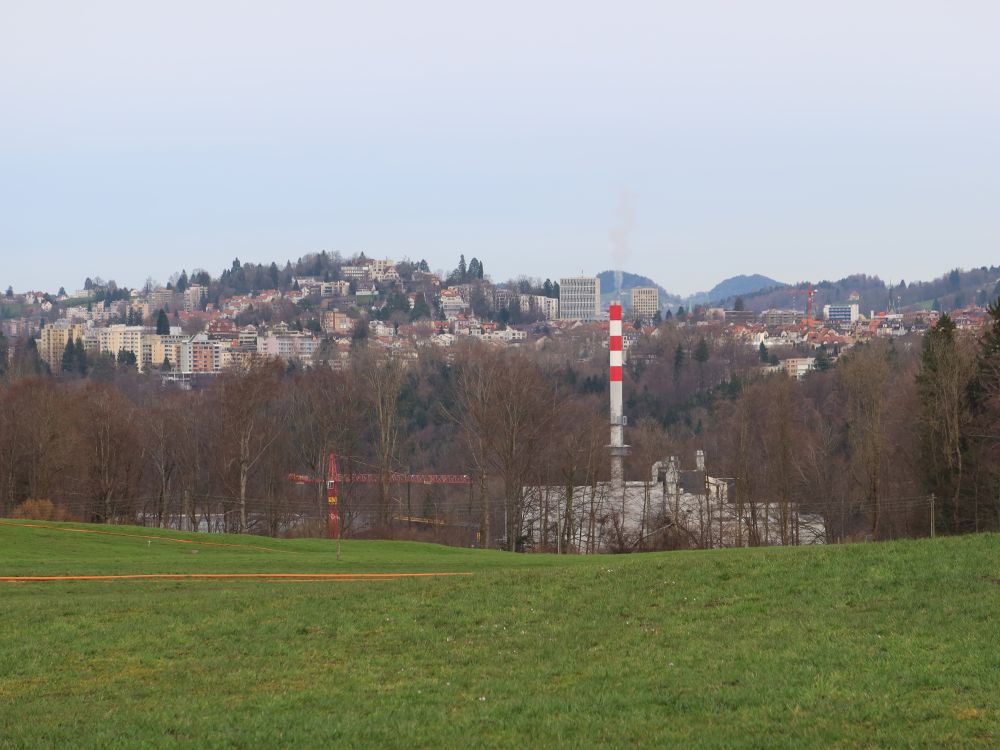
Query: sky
point(684, 141)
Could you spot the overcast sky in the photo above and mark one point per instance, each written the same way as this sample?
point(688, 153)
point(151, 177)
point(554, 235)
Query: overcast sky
point(795, 139)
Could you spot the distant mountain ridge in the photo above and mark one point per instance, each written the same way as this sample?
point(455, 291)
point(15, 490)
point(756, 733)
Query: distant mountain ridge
point(724, 290)
point(734, 287)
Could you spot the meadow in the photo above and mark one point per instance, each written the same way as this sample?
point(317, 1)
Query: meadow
point(870, 645)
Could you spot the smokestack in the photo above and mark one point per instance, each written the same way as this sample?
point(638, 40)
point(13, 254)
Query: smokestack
point(618, 448)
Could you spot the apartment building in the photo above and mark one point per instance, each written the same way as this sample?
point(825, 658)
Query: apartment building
point(841, 313)
point(51, 341)
point(580, 298)
point(546, 307)
point(645, 303)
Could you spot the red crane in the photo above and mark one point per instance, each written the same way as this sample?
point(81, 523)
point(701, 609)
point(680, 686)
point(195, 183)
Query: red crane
point(334, 478)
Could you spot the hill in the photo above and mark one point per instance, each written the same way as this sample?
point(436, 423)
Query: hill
point(630, 281)
point(950, 291)
point(859, 645)
point(733, 287)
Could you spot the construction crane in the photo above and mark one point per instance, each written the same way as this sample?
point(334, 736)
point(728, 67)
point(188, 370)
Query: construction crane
point(334, 479)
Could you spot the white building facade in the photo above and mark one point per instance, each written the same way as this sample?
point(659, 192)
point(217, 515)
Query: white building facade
point(580, 298)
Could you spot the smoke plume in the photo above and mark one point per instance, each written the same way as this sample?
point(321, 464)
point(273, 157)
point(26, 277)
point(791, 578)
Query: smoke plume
point(620, 235)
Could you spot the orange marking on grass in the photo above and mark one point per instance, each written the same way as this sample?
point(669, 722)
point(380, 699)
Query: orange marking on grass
point(290, 577)
point(144, 536)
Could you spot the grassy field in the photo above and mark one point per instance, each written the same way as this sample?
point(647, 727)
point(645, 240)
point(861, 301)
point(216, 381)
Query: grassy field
point(894, 645)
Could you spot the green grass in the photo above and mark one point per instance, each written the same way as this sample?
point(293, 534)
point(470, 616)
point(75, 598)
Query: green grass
point(894, 645)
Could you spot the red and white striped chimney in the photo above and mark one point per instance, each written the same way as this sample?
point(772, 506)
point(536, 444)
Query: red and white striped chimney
point(618, 447)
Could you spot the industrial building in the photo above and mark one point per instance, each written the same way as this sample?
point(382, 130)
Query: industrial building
point(692, 507)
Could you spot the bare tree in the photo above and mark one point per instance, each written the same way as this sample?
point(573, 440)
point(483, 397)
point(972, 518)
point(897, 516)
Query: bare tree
point(249, 422)
point(112, 453)
point(506, 404)
point(383, 377)
point(865, 380)
point(324, 408)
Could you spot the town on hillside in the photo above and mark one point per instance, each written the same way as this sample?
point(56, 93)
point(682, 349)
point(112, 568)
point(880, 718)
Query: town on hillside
point(316, 311)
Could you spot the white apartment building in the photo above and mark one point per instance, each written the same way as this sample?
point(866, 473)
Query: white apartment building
point(547, 307)
point(580, 298)
point(841, 313)
point(452, 303)
point(288, 346)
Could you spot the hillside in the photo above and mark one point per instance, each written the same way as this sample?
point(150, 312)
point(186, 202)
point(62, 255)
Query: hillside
point(630, 281)
point(734, 287)
point(949, 291)
point(862, 645)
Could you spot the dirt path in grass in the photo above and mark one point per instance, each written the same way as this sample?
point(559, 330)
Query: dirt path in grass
point(292, 577)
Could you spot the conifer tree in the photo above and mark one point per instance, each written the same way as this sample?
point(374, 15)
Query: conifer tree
point(69, 356)
point(81, 357)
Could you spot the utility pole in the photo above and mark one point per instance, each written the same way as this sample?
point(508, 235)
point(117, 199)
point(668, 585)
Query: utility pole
point(933, 518)
point(558, 524)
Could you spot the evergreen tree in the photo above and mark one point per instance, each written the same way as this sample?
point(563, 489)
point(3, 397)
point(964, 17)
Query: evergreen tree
point(681, 313)
point(462, 272)
point(359, 336)
point(421, 310)
point(942, 384)
point(273, 273)
point(657, 318)
point(762, 352)
point(555, 290)
point(738, 305)
point(986, 384)
point(69, 356)
point(422, 265)
point(162, 323)
point(165, 367)
point(822, 363)
point(701, 355)
point(62, 291)
point(9, 294)
point(182, 282)
point(81, 357)
point(678, 359)
point(701, 352)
